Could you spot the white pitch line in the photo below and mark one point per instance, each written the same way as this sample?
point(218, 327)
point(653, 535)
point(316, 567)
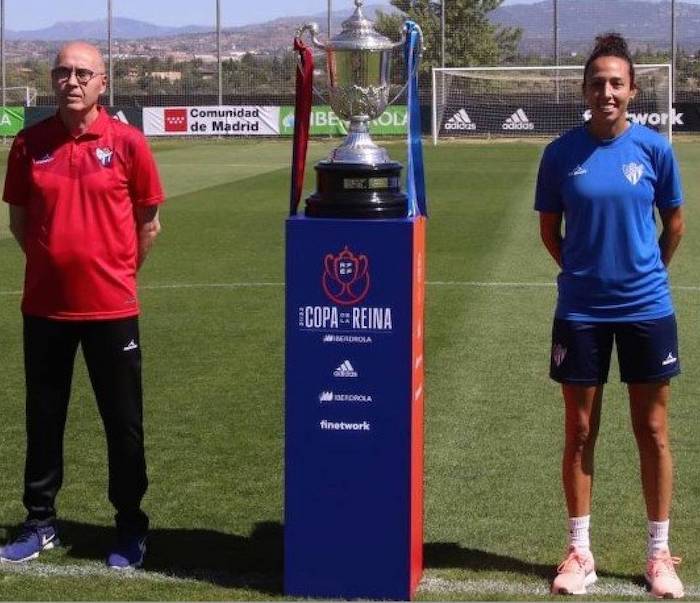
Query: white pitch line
point(93, 569)
point(253, 285)
point(503, 587)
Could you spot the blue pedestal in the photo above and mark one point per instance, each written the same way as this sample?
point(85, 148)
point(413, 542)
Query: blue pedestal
point(354, 407)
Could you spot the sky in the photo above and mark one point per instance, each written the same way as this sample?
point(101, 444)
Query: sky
point(36, 14)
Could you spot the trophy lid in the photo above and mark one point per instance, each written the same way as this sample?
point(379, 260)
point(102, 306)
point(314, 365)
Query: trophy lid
point(359, 34)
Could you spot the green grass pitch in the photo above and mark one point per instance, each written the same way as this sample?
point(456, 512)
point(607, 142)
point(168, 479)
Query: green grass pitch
point(212, 333)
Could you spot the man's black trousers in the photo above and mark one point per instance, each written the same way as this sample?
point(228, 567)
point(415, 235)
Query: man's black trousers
point(112, 354)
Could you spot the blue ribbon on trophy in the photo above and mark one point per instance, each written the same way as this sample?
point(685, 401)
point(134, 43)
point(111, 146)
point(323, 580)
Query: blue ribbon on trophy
point(415, 174)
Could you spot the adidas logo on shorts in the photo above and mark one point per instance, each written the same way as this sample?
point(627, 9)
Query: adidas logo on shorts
point(518, 121)
point(460, 121)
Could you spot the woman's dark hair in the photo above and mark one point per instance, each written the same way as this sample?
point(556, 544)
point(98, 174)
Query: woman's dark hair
point(610, 44)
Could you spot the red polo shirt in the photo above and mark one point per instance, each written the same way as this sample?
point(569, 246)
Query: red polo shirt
point(81, 235)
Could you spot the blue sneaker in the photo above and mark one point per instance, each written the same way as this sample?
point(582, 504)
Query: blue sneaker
point(31, 541)
point(128, 554)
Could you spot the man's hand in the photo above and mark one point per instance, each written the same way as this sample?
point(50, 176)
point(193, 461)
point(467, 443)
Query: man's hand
point(18, 223)
point(148, 227)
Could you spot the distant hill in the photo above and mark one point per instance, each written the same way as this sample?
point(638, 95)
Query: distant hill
point(92, 30)
point(642, 21)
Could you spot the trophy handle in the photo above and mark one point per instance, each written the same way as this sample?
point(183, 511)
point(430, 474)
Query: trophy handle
point(421, 48)
point(313, 29)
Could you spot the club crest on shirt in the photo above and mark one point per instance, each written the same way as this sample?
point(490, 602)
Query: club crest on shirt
point(633, 172)
point(104, 156)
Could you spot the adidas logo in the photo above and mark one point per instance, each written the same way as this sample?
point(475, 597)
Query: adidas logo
point(345, 370)
point(460, 121)
point(130, 346)
point(670, 359)
point(518, 121)
point(578, 171)
point(325, 397)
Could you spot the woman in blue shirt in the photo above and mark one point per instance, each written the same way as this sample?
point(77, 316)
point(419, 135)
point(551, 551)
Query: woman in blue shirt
point(603, 182)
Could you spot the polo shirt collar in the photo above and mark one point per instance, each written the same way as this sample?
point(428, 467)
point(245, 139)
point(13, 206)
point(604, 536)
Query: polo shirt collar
point(97, 128)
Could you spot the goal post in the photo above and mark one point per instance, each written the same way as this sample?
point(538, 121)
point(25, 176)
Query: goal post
point(541, 101)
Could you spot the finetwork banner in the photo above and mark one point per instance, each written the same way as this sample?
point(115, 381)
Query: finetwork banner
point(325, 122)
point(211, 121)
point(11, 120)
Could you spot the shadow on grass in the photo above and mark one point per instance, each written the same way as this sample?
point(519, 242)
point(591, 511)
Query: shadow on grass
point(250, 562)
point(451, 555)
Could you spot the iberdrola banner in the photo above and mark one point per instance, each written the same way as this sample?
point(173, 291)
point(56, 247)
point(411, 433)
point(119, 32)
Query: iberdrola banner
point(11, 120)
point(325, 122)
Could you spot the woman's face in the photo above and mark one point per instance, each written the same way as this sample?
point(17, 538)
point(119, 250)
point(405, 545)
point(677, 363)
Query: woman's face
point(608, 89)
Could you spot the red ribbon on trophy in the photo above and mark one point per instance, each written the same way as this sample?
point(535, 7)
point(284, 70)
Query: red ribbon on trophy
point(302, 121)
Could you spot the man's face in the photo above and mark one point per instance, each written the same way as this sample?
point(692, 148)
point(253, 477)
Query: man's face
point(608, 89)
point(75, 62)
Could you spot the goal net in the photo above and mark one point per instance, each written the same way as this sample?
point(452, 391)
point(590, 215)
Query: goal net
point(534, 101)
point(18, 96)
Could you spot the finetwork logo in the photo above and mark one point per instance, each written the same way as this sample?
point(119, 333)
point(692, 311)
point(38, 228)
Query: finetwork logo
point(518, 121)
point(675, 118)
point(460, 121)
point(345, 370)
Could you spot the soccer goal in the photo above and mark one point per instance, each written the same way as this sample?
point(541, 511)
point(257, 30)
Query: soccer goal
point(535, 101)
point(18, 96)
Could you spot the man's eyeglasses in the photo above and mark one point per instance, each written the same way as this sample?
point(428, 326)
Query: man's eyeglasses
point(62, 74)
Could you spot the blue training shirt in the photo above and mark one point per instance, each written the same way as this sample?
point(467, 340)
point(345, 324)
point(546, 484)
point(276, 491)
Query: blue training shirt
point(607, 190)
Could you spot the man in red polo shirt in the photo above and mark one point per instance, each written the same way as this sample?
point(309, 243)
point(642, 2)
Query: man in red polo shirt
point(84, 193)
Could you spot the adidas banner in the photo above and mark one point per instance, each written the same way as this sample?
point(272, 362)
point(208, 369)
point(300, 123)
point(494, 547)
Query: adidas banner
point(485, 118)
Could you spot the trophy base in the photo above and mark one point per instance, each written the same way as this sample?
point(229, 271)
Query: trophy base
point(356, 190)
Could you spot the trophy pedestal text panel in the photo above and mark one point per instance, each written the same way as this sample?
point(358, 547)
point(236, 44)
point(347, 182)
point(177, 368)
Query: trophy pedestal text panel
point(354, 407)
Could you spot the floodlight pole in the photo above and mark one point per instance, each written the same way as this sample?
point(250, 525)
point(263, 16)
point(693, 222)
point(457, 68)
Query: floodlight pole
point(109, 53)
point(2, 47)
point(328, 25)
point(218, 49)
point(674, 56)
point(555, 27)
point(442, 34)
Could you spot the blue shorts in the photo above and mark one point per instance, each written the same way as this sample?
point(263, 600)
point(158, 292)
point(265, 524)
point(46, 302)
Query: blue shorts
point(647, 351)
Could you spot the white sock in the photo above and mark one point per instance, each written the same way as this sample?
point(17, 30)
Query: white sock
point(579, 528)
point(657, 537)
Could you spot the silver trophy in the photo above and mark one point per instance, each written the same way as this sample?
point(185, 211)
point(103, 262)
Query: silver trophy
point(358, 66)
point(358, 179)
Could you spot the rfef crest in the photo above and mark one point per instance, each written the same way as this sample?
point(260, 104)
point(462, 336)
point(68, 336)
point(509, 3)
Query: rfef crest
point(345, 277)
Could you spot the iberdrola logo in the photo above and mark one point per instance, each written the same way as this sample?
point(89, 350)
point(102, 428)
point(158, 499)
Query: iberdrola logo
point(345, 277)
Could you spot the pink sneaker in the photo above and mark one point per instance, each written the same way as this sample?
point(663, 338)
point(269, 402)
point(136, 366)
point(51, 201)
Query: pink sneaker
point(662, 578)
point(575, 573)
